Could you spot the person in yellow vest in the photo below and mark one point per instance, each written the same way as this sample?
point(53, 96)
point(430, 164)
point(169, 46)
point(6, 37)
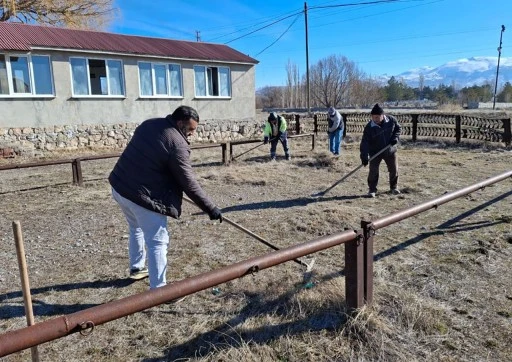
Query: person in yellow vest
point(275, 131)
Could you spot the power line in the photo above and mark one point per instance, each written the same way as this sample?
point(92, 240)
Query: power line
point(280, 36)
point(263, 27)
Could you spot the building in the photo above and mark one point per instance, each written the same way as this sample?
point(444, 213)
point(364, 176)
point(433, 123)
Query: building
point(55, 76)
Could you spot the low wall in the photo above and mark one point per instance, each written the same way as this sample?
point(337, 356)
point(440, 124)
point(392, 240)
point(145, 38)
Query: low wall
point(30, 141)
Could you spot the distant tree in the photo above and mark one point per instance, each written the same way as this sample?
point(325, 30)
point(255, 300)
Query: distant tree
point(506, 93)
point(293, 86)
point(83, 14)
point(270, 97)
point(421, 85)
point(398, 91)
point(330, 79)
point(365, 91)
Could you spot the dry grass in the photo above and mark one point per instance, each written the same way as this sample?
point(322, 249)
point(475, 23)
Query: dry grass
point(442, 285)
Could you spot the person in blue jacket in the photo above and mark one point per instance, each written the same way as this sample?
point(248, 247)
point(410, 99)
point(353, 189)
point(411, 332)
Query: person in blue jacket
point(381, 131)
point(275, 131)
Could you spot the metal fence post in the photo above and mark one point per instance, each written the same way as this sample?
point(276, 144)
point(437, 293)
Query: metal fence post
point(312, 141)
point(345, 119)
point(315, 124)
point(76, 168)
point(368, 234)
point(414, 126)
point(354, 273)
point(225, 158)
point(297, 124)
point(458, 128)
point(507, 133)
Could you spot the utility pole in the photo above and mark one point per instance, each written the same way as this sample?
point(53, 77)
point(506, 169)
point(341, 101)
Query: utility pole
point(198, 36)
point(307, 59)
point(498, 67)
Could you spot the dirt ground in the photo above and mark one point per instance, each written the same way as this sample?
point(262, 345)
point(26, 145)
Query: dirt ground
point(442, 278)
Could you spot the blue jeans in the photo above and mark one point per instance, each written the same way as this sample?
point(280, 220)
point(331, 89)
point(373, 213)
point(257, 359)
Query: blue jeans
point(148, 229)
point(335, 141)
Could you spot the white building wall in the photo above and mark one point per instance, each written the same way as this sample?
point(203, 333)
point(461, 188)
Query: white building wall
point(63, 109)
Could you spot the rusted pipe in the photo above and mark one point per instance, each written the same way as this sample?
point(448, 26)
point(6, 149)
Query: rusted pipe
point(85, 320)
point(403, 214)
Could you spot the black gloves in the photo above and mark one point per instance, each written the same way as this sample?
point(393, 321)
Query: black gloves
point(265, 140)
point(216, 214)
point(393, 141)
point(364, 160)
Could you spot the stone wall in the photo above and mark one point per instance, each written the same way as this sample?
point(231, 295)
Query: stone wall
point(33, 141)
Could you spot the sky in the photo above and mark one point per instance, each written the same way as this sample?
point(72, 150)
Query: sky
point(385, 37)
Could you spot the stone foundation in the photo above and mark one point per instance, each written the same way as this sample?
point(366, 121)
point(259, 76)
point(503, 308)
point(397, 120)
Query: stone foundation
point(31, 141)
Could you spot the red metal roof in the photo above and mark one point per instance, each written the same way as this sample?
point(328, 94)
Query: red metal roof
point(23, 37)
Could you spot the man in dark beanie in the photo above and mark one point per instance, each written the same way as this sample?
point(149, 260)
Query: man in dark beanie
point(382, 132)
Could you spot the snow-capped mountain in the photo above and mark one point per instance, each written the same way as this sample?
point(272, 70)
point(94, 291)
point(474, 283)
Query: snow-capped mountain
point(461, 73)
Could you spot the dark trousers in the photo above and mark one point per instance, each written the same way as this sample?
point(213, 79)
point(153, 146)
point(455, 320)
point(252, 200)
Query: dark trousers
point(373, 175)
point(273, 146)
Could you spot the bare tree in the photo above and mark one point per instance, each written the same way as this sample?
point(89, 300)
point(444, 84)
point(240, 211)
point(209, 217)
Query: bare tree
point(86, 14)
point(365, 91)
point(330, 78)
point(269, 97)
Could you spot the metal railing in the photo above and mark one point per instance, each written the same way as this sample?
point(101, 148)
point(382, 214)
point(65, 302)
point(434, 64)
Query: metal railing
point(359, 259)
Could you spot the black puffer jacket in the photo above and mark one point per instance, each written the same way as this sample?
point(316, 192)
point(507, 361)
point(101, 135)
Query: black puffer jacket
point(376, 137)
point(154, 170)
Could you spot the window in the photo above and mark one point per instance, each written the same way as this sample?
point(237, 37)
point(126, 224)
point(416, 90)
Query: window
point(25, 75)
point(97, 77)
point(160, 80)
point(212, 81)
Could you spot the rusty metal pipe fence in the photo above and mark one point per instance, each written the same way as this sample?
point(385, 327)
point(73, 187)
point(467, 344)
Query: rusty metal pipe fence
point(84, 321)
point(76, 163)
point(358, 277)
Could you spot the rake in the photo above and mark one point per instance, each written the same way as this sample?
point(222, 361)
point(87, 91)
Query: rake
point(249, 150)
point(309, 266)
point(322, 193)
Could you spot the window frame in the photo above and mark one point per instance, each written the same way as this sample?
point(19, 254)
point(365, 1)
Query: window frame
point(107, 77)
point(210, 83)
point(153, 80)
point(31, 76)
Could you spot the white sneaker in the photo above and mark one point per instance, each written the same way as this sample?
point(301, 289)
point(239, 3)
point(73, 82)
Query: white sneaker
point(395, 191)
point(371, 194)
point(138, 274)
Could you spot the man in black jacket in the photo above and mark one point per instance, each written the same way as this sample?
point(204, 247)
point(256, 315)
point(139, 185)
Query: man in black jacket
point(148, 182)
point(382, 131)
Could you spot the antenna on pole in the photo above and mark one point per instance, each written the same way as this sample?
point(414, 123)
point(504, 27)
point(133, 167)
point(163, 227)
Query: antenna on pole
point(498, 67)
point(198, 36)
point(307, 59)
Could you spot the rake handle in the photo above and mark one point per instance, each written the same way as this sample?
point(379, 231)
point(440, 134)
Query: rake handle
point(353, 171)
point(248, 232)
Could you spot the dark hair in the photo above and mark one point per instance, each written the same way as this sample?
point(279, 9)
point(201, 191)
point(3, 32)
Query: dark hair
point(184, 113)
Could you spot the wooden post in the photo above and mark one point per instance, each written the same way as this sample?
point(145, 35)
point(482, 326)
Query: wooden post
point(507, 133)
point(312, 141)
point(458, 128)
point(225, 158)
point(76, 168)
point(368, 261)
point(25, 285)
point(315, 124)
point(414, 127)
point(297, 124)
point(354, 273)
point(345, 119)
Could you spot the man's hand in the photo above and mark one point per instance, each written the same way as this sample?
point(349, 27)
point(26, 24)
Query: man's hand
point(393, 141)
point(364, 161)
point(265, 140)
point(216, 214)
